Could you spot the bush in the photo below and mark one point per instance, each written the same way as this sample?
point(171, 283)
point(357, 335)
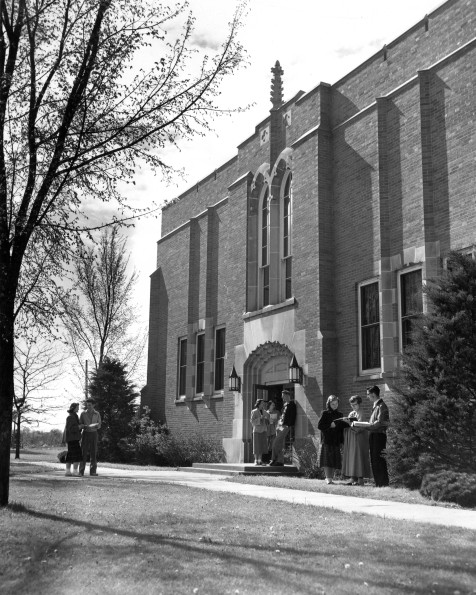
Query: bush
point(450, 486)
point(306, 457)
point(141, 445)
point(182, 450)
point(151, 443)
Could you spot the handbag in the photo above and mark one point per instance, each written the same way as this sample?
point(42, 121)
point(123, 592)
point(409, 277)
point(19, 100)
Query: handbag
point(62, 456)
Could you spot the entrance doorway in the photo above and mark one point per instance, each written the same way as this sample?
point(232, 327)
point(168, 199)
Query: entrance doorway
point(272, 392)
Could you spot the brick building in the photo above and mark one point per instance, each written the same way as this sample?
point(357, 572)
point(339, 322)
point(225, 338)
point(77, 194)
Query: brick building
point(315, 239)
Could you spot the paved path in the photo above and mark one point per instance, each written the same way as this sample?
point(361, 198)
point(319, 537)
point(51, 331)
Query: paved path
point(420, 513)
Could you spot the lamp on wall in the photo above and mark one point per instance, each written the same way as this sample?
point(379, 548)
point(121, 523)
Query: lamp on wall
point(295, 371)
point(234, 381)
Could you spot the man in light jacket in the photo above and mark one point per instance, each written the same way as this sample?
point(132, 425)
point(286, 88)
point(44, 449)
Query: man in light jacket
point(91, 421)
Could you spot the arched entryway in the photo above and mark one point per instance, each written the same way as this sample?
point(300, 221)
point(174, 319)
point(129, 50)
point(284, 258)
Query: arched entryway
point(265, 374)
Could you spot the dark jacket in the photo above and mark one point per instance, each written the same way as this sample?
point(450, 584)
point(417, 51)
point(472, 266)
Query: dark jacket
point(331, 436)
point(72, 431)
point(288, 417)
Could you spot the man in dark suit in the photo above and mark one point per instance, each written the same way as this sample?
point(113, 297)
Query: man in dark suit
point(286, 422)
point(379, 422)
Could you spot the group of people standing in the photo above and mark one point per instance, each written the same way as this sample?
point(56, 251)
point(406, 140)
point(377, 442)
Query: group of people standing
point(363, 442)
point(81, 436)
point(271, 428)
point(348, 442)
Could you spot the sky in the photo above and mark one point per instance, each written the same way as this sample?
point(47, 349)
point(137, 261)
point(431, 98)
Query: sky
point(314, 40)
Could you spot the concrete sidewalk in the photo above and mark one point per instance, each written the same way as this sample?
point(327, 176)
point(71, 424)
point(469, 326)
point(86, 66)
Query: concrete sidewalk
point(437, 515)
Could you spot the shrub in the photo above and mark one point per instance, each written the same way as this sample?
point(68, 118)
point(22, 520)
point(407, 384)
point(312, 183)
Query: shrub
point(450, 486)
point(306, 457)
point(182, 450)
point(141, 445)
point(433, 419)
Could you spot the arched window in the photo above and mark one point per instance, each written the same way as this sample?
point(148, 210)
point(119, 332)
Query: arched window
point(264, 250)
point(287, 264)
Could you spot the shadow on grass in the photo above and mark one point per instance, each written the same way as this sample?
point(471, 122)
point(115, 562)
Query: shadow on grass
point(274, 564)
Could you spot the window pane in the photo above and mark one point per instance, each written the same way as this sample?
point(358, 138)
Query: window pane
point(370, 326)
point(264, 230)
point(265, 286)
point(411, 303)
point(289, 270)
point(200, 362)
point(370, 304)
point(219, 359)
point(182, 366)
point(371, 347)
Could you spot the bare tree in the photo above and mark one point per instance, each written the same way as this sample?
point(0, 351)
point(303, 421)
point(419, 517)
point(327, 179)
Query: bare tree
point(74, 123)
point(99, 315)
point(38, 365)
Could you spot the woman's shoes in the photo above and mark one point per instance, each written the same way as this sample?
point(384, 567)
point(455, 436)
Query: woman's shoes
point(329, 481)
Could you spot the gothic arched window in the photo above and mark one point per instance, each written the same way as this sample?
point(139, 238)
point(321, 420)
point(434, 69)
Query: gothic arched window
point(264, 250)
point(287, 202)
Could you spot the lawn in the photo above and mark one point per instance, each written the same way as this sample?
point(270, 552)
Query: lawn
point(102, 536)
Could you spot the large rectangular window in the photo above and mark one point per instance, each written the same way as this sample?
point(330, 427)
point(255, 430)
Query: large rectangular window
point(200, 366)
point(411, 303)
point(220, 359)
point(182, 367)
point(369, 307)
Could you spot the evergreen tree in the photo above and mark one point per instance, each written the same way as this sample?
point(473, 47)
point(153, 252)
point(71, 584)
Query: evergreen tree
point(433, 425)
point(115, 400)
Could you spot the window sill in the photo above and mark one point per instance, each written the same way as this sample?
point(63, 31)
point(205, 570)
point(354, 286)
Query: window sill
point(367, 377)
point(201, 397)
point(270, 309)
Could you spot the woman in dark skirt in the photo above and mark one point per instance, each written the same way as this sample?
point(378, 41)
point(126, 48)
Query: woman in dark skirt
point(332, 436)
point(72, 436)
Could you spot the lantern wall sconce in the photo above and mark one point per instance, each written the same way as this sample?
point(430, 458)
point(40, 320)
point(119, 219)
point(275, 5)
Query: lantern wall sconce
point(295, 372)
point(234, 381)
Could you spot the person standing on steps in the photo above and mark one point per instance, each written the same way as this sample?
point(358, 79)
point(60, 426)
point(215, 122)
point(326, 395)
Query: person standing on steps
point(286, 422)
point(378, 424)
point(91, 421)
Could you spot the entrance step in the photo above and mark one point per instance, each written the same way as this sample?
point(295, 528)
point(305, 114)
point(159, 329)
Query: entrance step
point(231, 469)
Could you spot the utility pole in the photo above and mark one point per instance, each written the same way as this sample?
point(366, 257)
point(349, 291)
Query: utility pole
point(86, 381)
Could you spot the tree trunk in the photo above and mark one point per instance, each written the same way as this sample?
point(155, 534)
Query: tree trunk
point(6, 393)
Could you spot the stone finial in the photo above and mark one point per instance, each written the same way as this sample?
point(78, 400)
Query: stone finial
point(277, 86)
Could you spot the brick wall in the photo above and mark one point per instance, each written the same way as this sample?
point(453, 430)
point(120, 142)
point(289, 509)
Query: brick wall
point(383, 170)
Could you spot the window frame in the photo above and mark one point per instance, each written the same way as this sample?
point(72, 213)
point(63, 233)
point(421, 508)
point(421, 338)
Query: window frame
point(182, 368)
point(219, 359)
point(263, 269)
point(286, 258)
point(199, 364)
point(401, 274)
point(376, 370)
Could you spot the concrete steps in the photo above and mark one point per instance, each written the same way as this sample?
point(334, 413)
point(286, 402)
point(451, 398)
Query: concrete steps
point(231, 469)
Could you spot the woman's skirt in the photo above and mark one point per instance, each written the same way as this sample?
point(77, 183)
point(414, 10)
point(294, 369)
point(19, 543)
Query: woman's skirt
point(260, 443)
point(330, 456)
point(75, 454)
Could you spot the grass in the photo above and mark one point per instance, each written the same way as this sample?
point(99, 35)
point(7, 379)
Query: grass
point(114, 536)
point(317, 485)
